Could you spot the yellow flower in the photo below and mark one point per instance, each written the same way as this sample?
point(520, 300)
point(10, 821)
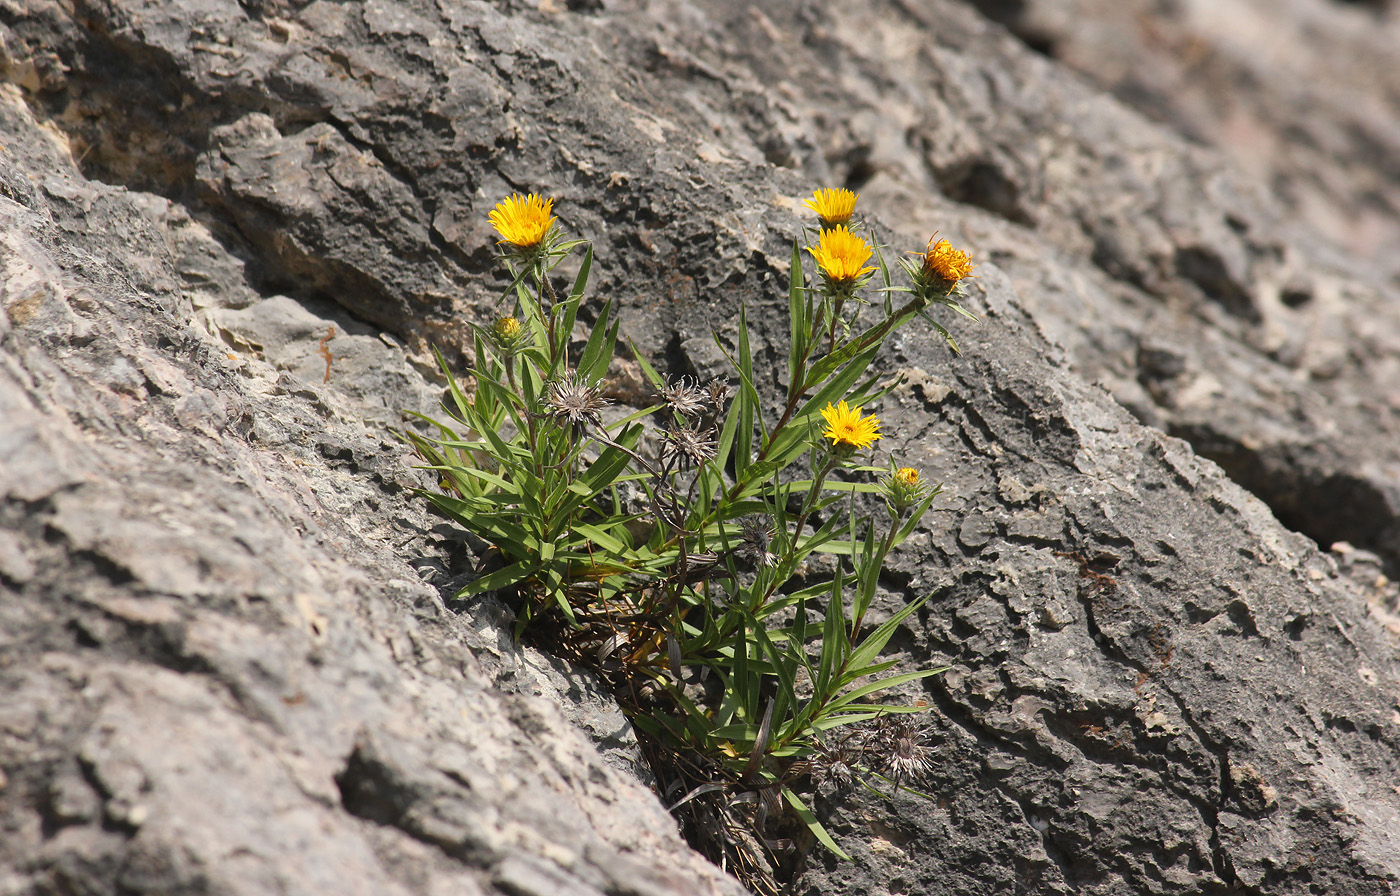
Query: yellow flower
point(842, 255)
point(523, 221)
point(507, 329)
point(943, 261)
point(847, 428)
point(833, 206)
point(907, 477)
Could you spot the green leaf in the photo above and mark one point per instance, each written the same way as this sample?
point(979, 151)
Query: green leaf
point(919, 509)
point(797, 318)
point(746, 401)
point(885, 279)
point(745, 685)
point(834, 644)
point(875, 642)
point(880, 684)
point(576, 294)
point(603, 539)
point(812, 824)
point(846, 718)
point(869, 575)
point(943, 331)
point(739, 731)
point(784, 667)
point(725, 443)
point(501, 578)
point(602, 342)
point(648, 371)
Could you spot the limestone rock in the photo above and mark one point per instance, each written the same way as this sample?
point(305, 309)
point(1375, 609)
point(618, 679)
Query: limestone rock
point(226, 655)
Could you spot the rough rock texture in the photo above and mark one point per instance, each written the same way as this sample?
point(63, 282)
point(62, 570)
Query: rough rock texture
point(1301, 94)
point(231, 231)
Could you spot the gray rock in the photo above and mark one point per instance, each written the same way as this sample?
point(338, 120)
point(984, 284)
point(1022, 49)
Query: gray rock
point(223, 641)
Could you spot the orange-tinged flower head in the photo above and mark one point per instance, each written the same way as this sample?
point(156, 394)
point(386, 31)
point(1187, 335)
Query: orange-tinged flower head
point(833, 207)
point(523, 221)
point(847, 429)
point(907, 477)
point(841, 255)
point(950, 265)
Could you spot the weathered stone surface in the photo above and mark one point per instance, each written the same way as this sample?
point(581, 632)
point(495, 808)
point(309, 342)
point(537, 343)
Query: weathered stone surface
point(221, 670)
point(225, 655)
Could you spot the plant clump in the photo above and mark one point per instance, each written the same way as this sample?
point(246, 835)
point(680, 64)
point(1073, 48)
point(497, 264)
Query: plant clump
point(701, 554)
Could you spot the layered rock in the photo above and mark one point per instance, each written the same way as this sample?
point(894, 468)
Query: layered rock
point(231, 233)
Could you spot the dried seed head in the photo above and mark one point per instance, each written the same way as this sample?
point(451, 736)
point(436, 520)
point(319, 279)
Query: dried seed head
point(719, 393)
point(757, 534)
point(909, 758)
point(689, 444)
point(575, 401)
point(832, 765)
point(685, 397)
point(900, 745)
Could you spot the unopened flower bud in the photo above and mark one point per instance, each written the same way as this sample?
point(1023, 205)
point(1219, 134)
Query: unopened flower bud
point(508, 335)
point(904, 488)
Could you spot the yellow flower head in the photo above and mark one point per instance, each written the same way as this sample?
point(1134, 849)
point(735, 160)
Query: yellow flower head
point(842, 255)
point(833, 206)
point(848, 429)
point(941, 260)
point(523, 221)
point(507, 329)
point(907, 477)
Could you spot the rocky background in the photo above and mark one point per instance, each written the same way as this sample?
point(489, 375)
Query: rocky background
point(230, 661)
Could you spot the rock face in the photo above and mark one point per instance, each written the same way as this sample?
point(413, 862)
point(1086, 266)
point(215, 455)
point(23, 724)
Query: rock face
point(231, 231)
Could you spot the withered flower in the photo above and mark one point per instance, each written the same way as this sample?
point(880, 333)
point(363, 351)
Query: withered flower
point(574, 401)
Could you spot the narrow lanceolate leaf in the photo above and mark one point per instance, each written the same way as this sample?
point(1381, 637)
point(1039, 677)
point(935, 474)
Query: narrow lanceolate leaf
point(880, 684)
point(909, 525)
point(745, 685)
point(458, 398)
point(745, 402)
point(840, 382)
point(726, 439)
point(601, 538)
point(647, 370)
point(598, 351)
point(943, 331)
point(581, 281)
point(797, 318)
point(783, 665)
point(501, 578)
point(810, 820)
point(869, 574)
point(888, 289)
point(567, 313)
point(875, 642)
point(834, 646)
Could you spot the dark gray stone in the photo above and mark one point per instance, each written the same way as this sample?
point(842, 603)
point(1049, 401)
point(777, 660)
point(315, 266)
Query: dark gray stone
point(226, 658)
